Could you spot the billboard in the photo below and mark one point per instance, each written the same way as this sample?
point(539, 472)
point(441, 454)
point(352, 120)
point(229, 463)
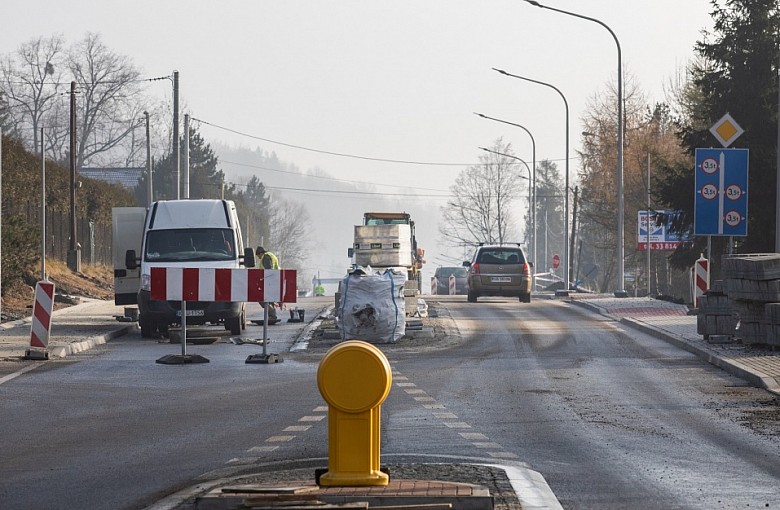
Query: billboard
point(660, 235)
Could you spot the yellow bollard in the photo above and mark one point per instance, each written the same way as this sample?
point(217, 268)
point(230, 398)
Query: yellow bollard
point(354, 378)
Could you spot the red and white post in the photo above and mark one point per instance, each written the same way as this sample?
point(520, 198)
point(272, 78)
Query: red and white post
point(452, 285)
point(701, 279)
point(41, 321)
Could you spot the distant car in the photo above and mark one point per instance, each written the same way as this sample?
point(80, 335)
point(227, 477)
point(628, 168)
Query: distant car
point(499, 271)
point(442, 280)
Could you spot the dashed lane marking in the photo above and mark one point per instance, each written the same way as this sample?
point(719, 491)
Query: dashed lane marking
point(263, 449)
point(449, 419)
point(318, 417)
point(474, 436)
point(279, 439)
point(303, 426)
point(457, 424)
point(489, 444)
point(445, 416)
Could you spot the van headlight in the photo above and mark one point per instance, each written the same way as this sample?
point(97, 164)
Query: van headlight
point(146, 282)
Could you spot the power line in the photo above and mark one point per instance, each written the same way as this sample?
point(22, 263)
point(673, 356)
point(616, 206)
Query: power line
point(341, 154)
point(288, 172)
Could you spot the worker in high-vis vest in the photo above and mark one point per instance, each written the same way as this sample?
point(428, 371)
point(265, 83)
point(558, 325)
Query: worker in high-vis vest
point(267, 260)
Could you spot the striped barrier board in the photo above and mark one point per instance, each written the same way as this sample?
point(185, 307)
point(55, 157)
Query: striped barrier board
point(234, 285)
point(702, 277)
point(41, 317)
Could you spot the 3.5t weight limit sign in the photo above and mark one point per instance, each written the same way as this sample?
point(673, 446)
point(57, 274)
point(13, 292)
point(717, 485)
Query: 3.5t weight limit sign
point(721, 192)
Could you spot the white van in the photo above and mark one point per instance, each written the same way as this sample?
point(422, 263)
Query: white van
point(189, 233)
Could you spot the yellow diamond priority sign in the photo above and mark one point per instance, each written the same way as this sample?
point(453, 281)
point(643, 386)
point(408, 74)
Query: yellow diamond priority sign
point(726, 130)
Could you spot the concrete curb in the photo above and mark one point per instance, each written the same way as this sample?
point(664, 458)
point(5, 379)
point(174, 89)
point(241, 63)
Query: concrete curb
point(89, 343)
point(302, 342)
point(529, 486)
point(730, 365)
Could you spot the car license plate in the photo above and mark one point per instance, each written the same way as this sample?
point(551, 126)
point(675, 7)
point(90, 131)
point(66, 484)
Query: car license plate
point(192, 313)
point(501, 279)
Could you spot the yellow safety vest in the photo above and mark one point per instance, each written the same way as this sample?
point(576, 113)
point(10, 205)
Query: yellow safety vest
point(274, 262)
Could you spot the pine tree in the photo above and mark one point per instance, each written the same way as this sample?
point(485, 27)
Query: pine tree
point(735, 73)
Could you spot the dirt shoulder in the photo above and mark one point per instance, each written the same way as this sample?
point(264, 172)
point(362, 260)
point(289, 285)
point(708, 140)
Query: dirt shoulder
point(95, 282)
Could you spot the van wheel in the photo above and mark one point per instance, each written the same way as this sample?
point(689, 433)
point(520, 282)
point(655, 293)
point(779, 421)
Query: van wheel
point(147, 326)
point(233, 324)
point(243, 320)
point(525, 298)
point(471, 298)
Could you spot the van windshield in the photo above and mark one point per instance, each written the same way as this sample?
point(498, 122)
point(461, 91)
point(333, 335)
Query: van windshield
point(192, 244)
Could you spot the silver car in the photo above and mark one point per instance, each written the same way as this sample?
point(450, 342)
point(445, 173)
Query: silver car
point(499, 271)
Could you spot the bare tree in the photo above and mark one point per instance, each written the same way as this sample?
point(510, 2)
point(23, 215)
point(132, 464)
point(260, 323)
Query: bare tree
point(108, 106)
point(482, 196)
point(30, 85)
point(289, 224)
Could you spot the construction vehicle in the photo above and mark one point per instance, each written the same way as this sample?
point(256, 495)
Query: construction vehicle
point(387, 241)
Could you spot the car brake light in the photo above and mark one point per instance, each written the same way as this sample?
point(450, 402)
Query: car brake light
point(475, 268)
point(526, 270)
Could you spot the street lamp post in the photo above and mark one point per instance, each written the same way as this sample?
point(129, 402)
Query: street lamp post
point(566, 264)
point(620, 290)
point(531, 203)
point(533, 178)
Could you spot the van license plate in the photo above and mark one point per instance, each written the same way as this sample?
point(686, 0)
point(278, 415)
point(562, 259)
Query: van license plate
point(501, 279)
point(192, 313)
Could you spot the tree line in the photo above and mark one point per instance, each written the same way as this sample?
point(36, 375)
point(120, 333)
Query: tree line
point(35, 92)
point(735, 70)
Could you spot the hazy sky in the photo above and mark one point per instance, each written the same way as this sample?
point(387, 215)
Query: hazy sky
point(395, 80)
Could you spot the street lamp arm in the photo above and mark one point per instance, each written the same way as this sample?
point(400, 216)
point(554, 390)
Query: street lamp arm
point(511, 157)
point(556, 89)
point(581, 16)
point(533, 142)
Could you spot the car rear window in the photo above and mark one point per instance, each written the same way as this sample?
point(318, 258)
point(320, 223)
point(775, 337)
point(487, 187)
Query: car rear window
point(501, 256)
point(445, 272)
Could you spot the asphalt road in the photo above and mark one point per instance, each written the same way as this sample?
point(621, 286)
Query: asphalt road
point(611, 418)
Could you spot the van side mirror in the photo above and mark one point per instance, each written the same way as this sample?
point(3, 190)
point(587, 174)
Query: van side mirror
point(249, 257)
point(466, 263)
point(131, 261)
point(350, 252)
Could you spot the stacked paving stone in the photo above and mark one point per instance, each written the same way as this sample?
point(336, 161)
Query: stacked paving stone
point(716, 316)
point(753, 287)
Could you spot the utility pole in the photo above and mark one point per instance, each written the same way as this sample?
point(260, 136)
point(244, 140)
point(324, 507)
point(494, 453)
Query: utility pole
point(648, 224)
point(573, 233)
point(149, 196)
point(74, 252)
point(186, 180)
point(43, 211)
point(176, 150)
point(1, 214)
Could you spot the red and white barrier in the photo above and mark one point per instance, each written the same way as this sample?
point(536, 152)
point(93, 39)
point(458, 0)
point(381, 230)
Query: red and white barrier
point(452, 284)
point(209, 284)
point(41, 317)
point(702, 279)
